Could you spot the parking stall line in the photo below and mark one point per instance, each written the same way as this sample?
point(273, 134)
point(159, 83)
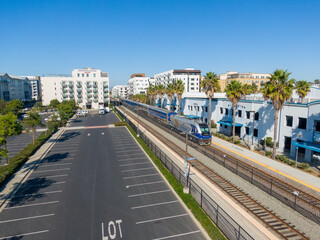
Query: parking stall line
point(129, 159)
point(142, 184)
point(52, 176)
point(148, 193)
point(52, 170)
point(127, 151)
point(155, 204)
point(26, 218)
point(24, 234)
point(138, 169)
point(31, 205)
point(124, 155)
point(177, 235)
point(139, 176)
point(163, 218)
point(126, 144)
point(132, 164)
point(53, 164)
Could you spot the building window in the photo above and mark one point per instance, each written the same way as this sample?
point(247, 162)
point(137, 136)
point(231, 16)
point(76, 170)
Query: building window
point(247, 130)
point(94, 75)
point(220, 125)
point(226, 111)
point(225, 126)
point(221, 110)
point(255, 132)
point(82, 74)
point(256, 116)
point(78, 74)
point(248, 114)
point(317, 126)
point(302, 123)
point(289, 120)
point(206, 109)
point(239, 113)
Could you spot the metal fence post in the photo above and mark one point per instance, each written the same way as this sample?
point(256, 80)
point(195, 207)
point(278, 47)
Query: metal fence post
point(201, 197)
point(271, 186)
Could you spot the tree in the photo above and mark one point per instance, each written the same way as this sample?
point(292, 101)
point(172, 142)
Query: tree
point(178, 88)
point(317, 81)
point(31, 122)
point(160, 91)
point(279, 90)
point(210, 85)
point(246, 89)
point(302, 89)
point(3, 105)
point(8, 126)
point(234, 92)
point(54, 103)
point(151, 94)
point(53, 123)
point(169, 92)
point(14, 106)
point(66, 109)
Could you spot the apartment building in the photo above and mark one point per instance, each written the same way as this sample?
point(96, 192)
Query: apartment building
point(120, 91)
point(139, 83)
point(35, 87)
point(245, 78)
point(189, 76)
point(13, 87)
point(89, 87)
point(298, 126)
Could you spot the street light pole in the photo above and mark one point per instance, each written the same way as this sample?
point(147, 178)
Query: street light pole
point(196, 107)
point(297, 152)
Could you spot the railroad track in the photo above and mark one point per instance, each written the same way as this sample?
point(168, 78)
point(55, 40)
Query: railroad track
point(294, 197)
point(281, 227)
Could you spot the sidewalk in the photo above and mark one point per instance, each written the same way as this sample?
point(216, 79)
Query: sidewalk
point(273, 167)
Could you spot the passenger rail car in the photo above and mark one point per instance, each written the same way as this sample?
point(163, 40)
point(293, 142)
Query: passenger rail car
point(198, 131)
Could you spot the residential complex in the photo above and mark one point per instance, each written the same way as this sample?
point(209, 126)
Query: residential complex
point(299, 123)
point(190, 77)
point(120, 91)
point(13, 87)
point(88, 86)
point(139, 83)
point(245, 78)
point(35, 87)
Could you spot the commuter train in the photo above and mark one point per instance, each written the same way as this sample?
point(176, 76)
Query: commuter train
point(198, 131)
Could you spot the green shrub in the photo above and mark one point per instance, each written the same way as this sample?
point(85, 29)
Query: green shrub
point(213, 125)
point(269, 142)
point(268, 153)
point(303, 166)
point(117, 124)
point(237, 141)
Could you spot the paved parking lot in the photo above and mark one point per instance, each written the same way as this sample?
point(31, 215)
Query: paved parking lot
point(96, 183)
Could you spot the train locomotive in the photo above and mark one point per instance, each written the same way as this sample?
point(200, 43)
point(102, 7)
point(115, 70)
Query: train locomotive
point(198, 131)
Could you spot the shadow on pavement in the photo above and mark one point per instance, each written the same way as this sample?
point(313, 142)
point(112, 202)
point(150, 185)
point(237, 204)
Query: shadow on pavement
point(68, 136)
point(29, 191)
point(57, 157)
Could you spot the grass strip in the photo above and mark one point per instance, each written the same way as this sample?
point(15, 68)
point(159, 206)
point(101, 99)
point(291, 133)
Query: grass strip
point(190, 202)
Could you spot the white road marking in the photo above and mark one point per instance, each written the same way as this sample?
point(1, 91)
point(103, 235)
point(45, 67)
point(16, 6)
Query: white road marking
point(147, 175)
point(24, 234)
point(142, 184)
point(177, 235)
point(51, 170)
point(120, 147)
point(125, 144)
point(52, 176)
point(128, 159)
point(30, 205)
point(131, 170)
point(126, 151)
point(35, 194)
point(157, 219)
point(54, 164)
point(131, 164)
point(155, 204)
point(26, 218)
point(130, 154)
point(149, 193)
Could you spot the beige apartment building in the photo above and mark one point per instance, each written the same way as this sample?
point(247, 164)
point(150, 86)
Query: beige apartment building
point(245, 78)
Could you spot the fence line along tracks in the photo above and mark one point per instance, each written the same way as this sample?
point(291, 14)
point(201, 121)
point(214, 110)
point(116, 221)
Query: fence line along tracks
point(294, 197)
point(280, 226)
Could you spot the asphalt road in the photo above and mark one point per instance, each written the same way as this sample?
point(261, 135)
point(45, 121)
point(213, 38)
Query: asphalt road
point(96, 183)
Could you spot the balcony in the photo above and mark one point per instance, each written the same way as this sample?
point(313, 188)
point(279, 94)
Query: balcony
point(64, 95)
point(79, 85)
point(89, 85)
point(89, 100)
point(71, 95)
point(71, 90)
point(89, 90)
point(95, 95)
point(105, 85)
point(106, 95)
point(95, 90)
point(95, 100)
point(79, 90)
point(71, 84)
point(105, 90)
point(79, 100)
point(89, 95)
point(79, 95)
point(64, 84)
point(64, 90)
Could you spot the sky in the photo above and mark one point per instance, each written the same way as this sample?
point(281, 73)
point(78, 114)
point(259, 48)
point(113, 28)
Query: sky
point(151, 36)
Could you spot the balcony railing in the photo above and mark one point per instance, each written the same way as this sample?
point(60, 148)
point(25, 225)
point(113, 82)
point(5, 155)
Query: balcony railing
point(89, 90)
point(64, 95)
point(71, 90)
point(89, 95)
point(95, 90)
point(79, 100)
point(79, 90)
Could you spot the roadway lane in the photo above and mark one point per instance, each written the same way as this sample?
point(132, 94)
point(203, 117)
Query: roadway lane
point(95, 183)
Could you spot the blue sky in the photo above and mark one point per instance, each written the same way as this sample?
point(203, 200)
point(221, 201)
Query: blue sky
point(124, 37)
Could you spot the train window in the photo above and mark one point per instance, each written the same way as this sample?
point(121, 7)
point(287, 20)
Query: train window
point(204, 128)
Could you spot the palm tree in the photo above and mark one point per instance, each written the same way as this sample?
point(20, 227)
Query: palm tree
point(246, 89)
point(302, 89)
point(151, 94)
point(234, 92)
point(169, 92)
point(178, 88)
point(160, 89)
point(317, 81)
point(279, 90)
point(210, 85)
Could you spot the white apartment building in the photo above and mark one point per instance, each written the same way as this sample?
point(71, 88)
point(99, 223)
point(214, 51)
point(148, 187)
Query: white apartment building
point(120, 91)
point(35, 86)
point(13, 87)
point(89, 87)
point(299, 123)
point(139, 83)
point(190, 77)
